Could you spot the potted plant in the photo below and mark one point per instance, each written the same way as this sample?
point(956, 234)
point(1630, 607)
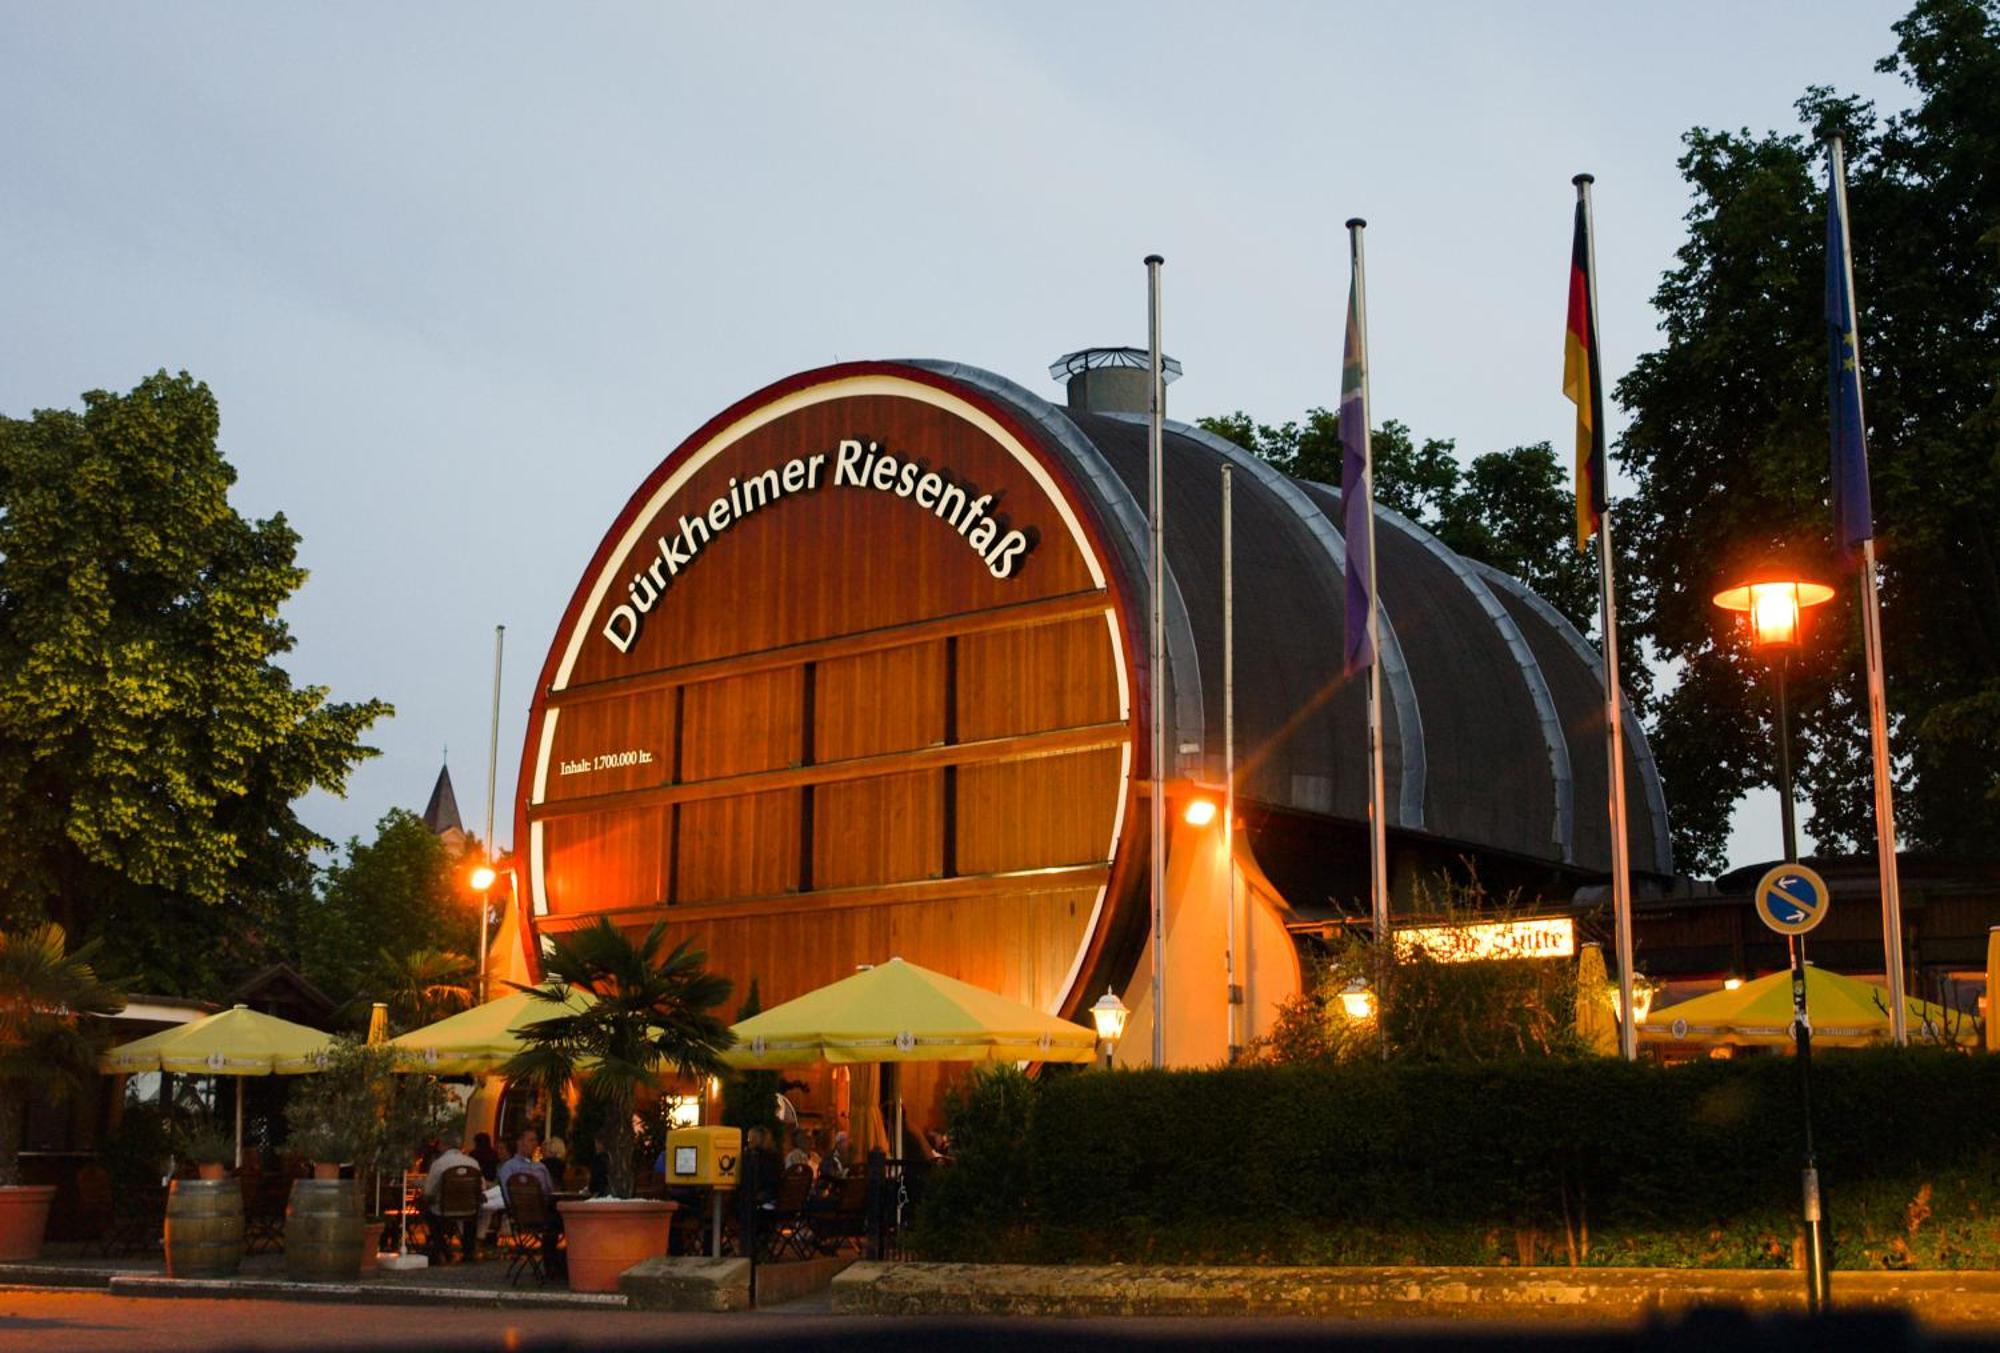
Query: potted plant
point(46, 1044)
point(357, 1109)
point(204, 1237)
point(652, 1016)
point(208, 1146)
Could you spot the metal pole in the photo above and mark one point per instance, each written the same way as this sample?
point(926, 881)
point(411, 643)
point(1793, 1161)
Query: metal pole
point(1156, 670)
point(492, 772)
point(1236, 1031)
point(1818, 1288)
point(1378, 830)
point(1887, 867)
point(1614, 696)
point(1785, 767)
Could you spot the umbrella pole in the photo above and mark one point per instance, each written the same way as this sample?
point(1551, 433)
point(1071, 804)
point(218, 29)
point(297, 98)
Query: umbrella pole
point(239, 1122)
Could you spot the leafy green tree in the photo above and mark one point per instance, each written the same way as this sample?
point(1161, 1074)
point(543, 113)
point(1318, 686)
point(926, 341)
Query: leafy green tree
point(151, 748)
point(379, 904)
point(1511, 509)
point(1728, 447)
point(47, 991)
point(653, 1015)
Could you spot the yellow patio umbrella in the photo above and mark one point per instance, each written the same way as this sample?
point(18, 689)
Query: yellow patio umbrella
point(236, 1042)
point(1845, 1013)
point(478, 1041)
point(899, 1012)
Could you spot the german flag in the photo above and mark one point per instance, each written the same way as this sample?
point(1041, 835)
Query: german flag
point(1584, 385)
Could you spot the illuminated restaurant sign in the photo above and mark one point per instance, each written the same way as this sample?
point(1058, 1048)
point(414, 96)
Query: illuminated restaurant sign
point(856, 465)
point(1547, 937)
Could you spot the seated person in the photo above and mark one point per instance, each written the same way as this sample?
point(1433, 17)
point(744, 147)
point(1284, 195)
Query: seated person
point(523, 1162)
point(440, 1241)
point(833, 1165)
point(484, 1155)
point(555, 1156)
point(802, 1152)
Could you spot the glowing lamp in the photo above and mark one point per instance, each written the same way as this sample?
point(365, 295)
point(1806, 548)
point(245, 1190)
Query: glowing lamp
point(683, 1111)
point(1357, 1000)
point(1199, 812)
point(1109, 1015)
point(1731, 982)
point(1774, 601)
point(483, 878)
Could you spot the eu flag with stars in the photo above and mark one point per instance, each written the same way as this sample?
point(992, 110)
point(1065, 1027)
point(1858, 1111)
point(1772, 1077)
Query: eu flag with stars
point(1853, 515)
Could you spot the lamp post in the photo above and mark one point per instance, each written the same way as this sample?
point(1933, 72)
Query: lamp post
point(1109, 1016)
point(1773, 601)
point(483, 879)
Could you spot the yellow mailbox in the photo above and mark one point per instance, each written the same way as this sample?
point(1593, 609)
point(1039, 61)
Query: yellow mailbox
point(704, 1155)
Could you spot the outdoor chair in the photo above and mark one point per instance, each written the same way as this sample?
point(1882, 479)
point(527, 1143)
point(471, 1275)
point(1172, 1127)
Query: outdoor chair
point(788, 1220)
point(528, 1218)
point(840, 1214)
point(461, 1191)
point(264, 1199)
point(136, 1218)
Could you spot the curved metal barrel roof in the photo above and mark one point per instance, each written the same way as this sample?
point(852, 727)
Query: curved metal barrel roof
point(1494, 712)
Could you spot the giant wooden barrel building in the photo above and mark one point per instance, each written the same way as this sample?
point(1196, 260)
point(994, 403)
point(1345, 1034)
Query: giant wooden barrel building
point(860, 671)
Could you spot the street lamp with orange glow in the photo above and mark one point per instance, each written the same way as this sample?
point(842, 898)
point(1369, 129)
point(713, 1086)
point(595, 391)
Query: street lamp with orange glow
point(1773, 601)
point(483, 877)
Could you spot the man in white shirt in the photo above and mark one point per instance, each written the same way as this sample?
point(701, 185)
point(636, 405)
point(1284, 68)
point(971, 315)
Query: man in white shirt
point(440, 1246)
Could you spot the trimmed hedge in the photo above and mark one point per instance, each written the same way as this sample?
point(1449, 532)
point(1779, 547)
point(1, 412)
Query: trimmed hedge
point(1592, 1161)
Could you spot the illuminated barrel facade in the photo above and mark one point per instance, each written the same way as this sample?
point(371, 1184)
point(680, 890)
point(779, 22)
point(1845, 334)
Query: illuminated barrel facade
point(859, 671)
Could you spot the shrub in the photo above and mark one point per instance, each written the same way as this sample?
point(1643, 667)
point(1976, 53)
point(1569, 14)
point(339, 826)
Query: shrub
point(978, 1205)
point(1588, 1162)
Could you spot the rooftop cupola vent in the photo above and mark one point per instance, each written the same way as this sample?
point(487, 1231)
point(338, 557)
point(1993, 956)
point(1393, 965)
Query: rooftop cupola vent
point(1109, 380)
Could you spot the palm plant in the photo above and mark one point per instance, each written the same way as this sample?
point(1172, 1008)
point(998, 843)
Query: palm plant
point(46, 990)
point(425, 985)
point(651, 1014)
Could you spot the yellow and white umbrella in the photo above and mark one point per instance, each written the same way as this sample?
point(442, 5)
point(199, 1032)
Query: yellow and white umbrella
point(235, 1042)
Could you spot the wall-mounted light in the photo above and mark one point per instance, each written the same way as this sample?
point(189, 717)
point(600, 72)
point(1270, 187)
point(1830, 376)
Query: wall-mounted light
point(1199, 812)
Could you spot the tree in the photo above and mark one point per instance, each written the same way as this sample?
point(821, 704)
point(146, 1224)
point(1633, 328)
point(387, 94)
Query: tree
point(652, 1014)
point(47, 993)
point(378, 902)
point(425, 985)
point(150, 746)
point(1728, 447)
point(1511, 509)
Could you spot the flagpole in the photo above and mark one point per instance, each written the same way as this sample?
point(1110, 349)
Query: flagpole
point(1235, 989)
point(1878, 704)
point(1156, 670)
point(1614, 712)
point(1378, 830)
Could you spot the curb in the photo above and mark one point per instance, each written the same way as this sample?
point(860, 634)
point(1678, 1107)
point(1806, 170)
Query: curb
point(369, 1294)
point(1970, 1298)
point(48, 1275)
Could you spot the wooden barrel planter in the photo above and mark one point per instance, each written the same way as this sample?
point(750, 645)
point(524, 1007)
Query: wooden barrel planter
point(204, 1228)
point(326, 1238)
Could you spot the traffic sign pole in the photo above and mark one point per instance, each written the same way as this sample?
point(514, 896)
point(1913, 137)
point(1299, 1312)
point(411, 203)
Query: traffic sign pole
point(1818, 1289)
point(1792, 899)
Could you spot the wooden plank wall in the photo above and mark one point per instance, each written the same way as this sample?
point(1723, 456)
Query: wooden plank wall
point(858, 742)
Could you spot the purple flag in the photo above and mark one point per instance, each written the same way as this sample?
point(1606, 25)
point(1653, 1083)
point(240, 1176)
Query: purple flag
point(1356, 488)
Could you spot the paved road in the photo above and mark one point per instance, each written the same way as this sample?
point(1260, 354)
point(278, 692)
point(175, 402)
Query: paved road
point(54, 1321)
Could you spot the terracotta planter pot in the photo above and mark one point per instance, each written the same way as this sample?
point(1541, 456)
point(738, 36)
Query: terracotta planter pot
point(607, 1238)
point(323, 1170)
point(24, 1215)
point(209, 1171)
